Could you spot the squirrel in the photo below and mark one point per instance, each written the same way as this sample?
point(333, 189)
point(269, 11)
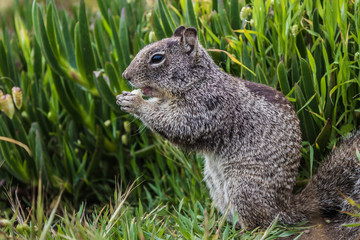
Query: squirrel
point(248, 133)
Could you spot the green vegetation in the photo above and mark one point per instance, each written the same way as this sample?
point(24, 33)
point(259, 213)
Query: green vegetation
point(68, 147)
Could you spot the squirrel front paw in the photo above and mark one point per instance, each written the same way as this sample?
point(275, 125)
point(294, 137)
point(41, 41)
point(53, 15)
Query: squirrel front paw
point(130, 102)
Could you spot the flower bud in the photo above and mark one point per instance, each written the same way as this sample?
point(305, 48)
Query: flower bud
point(248, 10)
point(148, 17)
point(294, 30)
point(124, 139)
point(127, 126)
point(252, 23)
point(152, 37)
point(7, 105)
point(17, 96)
point(107, 123)
point(5, 223)
point(357, 54)
point(22, 228)
point(3, 236)
point(24, 115)
point(243, 13)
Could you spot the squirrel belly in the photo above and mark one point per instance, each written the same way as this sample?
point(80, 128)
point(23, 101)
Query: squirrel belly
point(249, 134)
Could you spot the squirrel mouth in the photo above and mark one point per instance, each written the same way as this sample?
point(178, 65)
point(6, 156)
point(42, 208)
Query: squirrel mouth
point(146, 91)
point(149, 92)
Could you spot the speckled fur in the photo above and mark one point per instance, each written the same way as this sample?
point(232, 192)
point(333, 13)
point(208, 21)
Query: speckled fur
point(248, 133)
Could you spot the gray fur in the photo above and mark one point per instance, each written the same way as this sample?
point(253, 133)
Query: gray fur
point(249, 134)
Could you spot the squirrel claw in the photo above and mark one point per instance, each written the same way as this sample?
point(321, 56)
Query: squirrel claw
point(129, 102)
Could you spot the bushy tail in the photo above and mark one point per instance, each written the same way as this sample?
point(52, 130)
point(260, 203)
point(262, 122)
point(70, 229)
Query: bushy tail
point(338, 177)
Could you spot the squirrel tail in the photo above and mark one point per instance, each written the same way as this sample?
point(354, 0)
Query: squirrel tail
point(331, 193)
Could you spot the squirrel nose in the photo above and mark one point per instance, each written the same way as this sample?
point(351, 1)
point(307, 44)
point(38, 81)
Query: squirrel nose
point(126, 75)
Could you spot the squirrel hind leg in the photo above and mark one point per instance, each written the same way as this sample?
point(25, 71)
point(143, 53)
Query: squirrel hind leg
point(348, 207)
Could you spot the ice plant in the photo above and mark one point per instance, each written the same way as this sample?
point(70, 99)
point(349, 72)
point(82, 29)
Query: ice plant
point(17, 96)
point(245, 12)
point(7, 105)
point(294, 30)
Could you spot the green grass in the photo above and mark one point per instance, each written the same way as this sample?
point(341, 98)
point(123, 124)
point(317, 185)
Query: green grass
point(180, 211)
point(70, 139)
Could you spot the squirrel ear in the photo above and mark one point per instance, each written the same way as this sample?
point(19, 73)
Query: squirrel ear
point(179, 31)
point(190, 40)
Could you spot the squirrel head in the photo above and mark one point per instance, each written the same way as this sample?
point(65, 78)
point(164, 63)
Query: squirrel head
point(167, 68)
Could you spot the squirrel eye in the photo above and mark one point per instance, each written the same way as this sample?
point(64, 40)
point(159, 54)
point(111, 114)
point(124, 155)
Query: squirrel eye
point(157, 58)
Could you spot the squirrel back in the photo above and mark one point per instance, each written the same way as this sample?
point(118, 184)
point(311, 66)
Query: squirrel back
point(249, 134)
point(331, 192)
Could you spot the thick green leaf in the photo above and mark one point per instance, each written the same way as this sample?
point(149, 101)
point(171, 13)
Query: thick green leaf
point(282, 78)
point(114, 79)
point(10, 58)
point(165, 18)
point(105, 92)
point(85, 45)
point(300, 45)
point(260, 75)
point(190, 14)
point(235, 14)
point(69, 46)
point(117, 45)
point(103, 9)
point(102, 51)
point(67, 98)
point(43, 40)
point(307, 82)
point(295, 70)
point(306, 122)
point(96, 157)
point(4, 68)
point(323, 138)
point(247, 62)
point(50, 29)
point(224, 19)
point(124, 38)
point(156, 25)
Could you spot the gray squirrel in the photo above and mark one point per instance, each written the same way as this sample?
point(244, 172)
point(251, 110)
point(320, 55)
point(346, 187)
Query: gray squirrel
point(248, 133)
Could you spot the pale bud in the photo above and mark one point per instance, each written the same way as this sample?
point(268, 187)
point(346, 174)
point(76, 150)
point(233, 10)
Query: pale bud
point(107, 123)
point(24, 115)
point(152, 37)
point(5, 223)
point(357, 54)
point(248, 10)
point(127, 126)
point(252, 23)
point(243, 13)
point(124, 139)
point(22, 228)
point(294, 30)
point(7, 105)
point(17, 96)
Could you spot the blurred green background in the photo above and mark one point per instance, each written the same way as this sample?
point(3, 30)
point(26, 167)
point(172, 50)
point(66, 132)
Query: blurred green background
point(68, 137)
